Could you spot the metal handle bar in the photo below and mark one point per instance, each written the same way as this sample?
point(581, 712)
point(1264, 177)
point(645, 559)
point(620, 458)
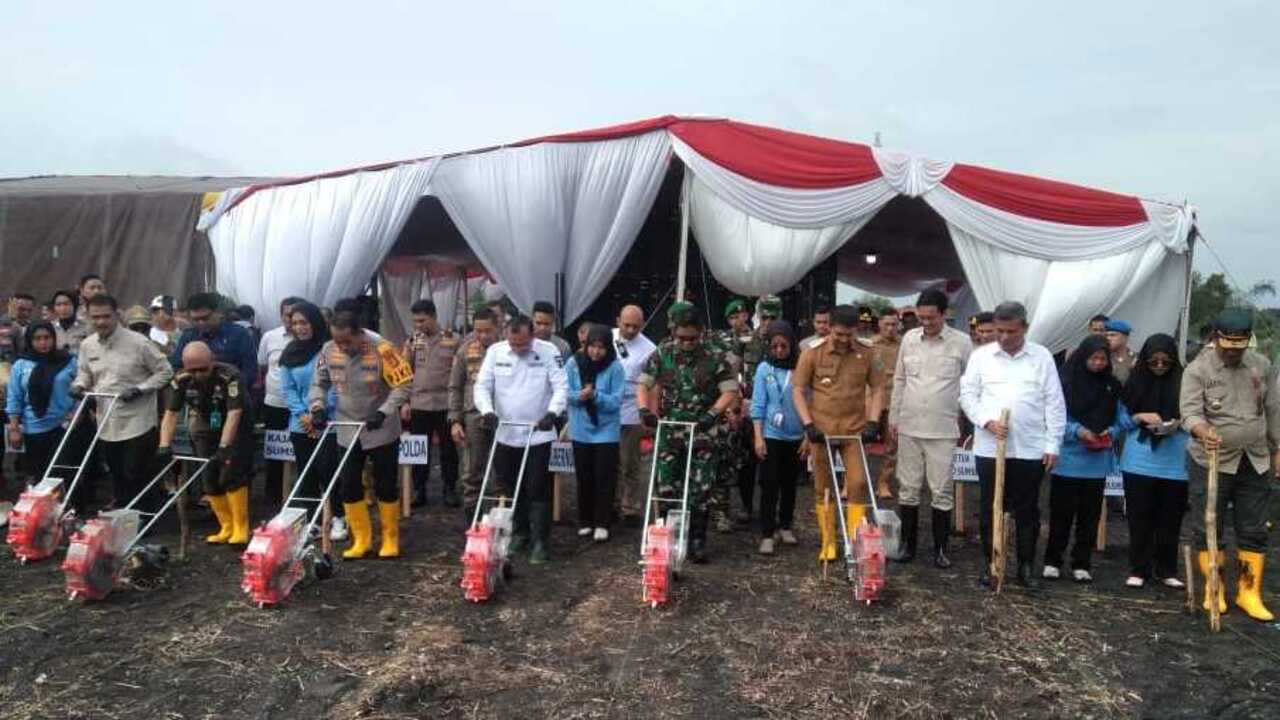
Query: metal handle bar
point(88, 453)
point(173, 497)
point(488, 469)
point(653, 474)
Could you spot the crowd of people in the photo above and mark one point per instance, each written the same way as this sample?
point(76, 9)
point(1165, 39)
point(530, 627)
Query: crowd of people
point(750, 410)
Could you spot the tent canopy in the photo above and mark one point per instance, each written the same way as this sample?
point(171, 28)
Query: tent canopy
point(765, 205)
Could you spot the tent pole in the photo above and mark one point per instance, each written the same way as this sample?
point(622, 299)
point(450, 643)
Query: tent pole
point(1185, 321)
point(683, 261)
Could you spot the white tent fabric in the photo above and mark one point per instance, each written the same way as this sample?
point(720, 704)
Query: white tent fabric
point(322, 240)
point(571, 209)
point(400, 290)
point(1061, 296)
point(910, 175)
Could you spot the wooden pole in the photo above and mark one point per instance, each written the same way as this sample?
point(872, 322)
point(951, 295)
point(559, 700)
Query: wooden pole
point(557, 496)
point(326, 520)
point(406, 489)
point(1211, 535)
point(957, 521)
point(997, 509)
point(1101, 543)
point(184, 523)
point(1191, 578)
point(826, 501)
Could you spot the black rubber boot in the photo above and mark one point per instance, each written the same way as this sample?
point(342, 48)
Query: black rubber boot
point(910, 530)
point(698, 537)
point(540, 530)
point(941, 534)
point(519, 529)
point(1027, 536)
point(419, 492)
point(451, 498)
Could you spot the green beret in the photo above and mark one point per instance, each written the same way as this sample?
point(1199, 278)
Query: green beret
point(734, 306)
point(678, 307)
point(769, 305)
point(1234, 326)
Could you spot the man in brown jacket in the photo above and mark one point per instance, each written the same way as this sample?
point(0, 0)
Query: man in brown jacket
point(430, 352)
point(466, 426)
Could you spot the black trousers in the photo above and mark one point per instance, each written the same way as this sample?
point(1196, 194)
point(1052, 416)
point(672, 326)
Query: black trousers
point(314, 483)
point(222, 480)
point(385, 459)
point(778, 477)
point(536, 487)
point(1246, 491)
point(596, 467)
point(1154, 507)
point(40, 448)
point(130, 462)
point(1073, 502)
point(435, 425)
point(1021, 497)
point(275, 418)
point(750, 466)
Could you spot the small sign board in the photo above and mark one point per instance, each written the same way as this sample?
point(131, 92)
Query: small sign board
point(561, 457)
point(963, 467)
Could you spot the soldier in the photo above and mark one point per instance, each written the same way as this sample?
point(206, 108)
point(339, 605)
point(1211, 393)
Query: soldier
point(1122, 358)
point(887, 343)
point(372, 382)
point(724, 344)
point(830, 391)
point(686, 380)
point(466, 424)
point(752, 348)
point(866, 323)
point(430, 352)
point(213, 397)
point(1228, 404)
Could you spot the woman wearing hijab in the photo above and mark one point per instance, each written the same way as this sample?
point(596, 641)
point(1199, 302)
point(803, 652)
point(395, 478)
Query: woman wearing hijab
point(1079, 480)
point(596, 384)
point(297, 365)
point(778, 432)
point(39, 399)
point(1154, 463)
point(68, 326)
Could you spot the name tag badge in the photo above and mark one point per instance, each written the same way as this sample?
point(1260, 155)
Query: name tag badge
point(503, 369)
point(778, 419)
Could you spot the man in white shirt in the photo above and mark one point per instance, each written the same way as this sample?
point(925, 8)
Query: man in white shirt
point(275, 412)
point(521, 381)
point(633, 350)
point(1021, 377)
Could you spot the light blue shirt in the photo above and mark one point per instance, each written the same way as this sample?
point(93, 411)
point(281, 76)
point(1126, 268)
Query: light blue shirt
point(1167, 461)
point(295, 383)
point(1077, 461)
point(772, 405)
point(60, 402)
point(610, 386)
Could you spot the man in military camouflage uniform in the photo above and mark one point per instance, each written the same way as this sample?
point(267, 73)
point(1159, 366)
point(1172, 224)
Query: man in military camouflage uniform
point(749, 346)
point(466, 425)
point(725, 344)
point(687, 381)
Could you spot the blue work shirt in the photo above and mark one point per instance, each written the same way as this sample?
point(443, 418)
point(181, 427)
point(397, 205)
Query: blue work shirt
point(772, 405)
point(1168, 461)
point(60, 402)
point(231, 344)
point(610, 384)
point(1077, 461)
point(295, 383)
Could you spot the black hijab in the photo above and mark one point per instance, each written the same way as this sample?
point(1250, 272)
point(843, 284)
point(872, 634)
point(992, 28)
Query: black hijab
point(300, 352)
point(1091, 397)
point(588, 369)
point(48, 365)
point(1146, 393)
point(783, 328)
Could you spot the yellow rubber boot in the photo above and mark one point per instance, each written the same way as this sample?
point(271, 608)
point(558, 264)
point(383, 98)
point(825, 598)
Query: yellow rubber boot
point(238, 499)
point(1249, 585)
point(389, 515)
point(826, 514)
point(361, 530)
point(222, 511)
point(853, 514)
point(1204, 573)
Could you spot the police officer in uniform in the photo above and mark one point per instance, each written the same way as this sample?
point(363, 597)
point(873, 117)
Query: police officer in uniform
point(466, 425)
point(372, 382)
point(687, 381)
point(430, 352)
point(830, 390)
point(1228, 403)
point(213, 399)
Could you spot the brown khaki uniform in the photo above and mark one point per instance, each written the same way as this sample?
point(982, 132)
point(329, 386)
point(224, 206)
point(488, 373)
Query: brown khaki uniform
point(431, 357)
point(1238, 403)
point(365, 385)
point(837, 384)
point(1122, 364)
point(462, 410)
point(888, 353)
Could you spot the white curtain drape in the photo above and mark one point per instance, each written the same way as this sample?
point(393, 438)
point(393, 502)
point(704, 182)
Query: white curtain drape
point(322, 240)
point(530, 213)
point(400, 290)
point(1143, 285)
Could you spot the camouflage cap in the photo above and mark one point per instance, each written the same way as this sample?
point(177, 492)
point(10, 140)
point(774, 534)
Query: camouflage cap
point(137, 314)
point(770, 305)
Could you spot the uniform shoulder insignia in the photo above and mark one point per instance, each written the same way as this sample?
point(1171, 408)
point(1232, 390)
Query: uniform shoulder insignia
point(818, 343)
point(866, 342)
point(395, 371)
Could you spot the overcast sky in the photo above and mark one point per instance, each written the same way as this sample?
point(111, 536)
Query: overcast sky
point(1168, 100)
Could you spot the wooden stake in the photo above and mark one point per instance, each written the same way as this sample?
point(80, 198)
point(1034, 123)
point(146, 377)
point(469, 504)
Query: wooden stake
point(957, 520)
point(1211, 535)
point(184, 525)
point(1101, 544)
point(557, 483)
point(406, 489)
point(826, 501)
point(326, 520)
point(997, 510)
point(1191, 578)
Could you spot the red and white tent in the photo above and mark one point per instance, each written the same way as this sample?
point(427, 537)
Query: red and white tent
point(765, 205)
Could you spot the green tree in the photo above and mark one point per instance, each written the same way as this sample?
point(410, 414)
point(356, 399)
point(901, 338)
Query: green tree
point(1213, 294)
point(879, 305)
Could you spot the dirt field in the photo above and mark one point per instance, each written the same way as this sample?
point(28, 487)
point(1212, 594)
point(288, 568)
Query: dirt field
point(746, 637)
